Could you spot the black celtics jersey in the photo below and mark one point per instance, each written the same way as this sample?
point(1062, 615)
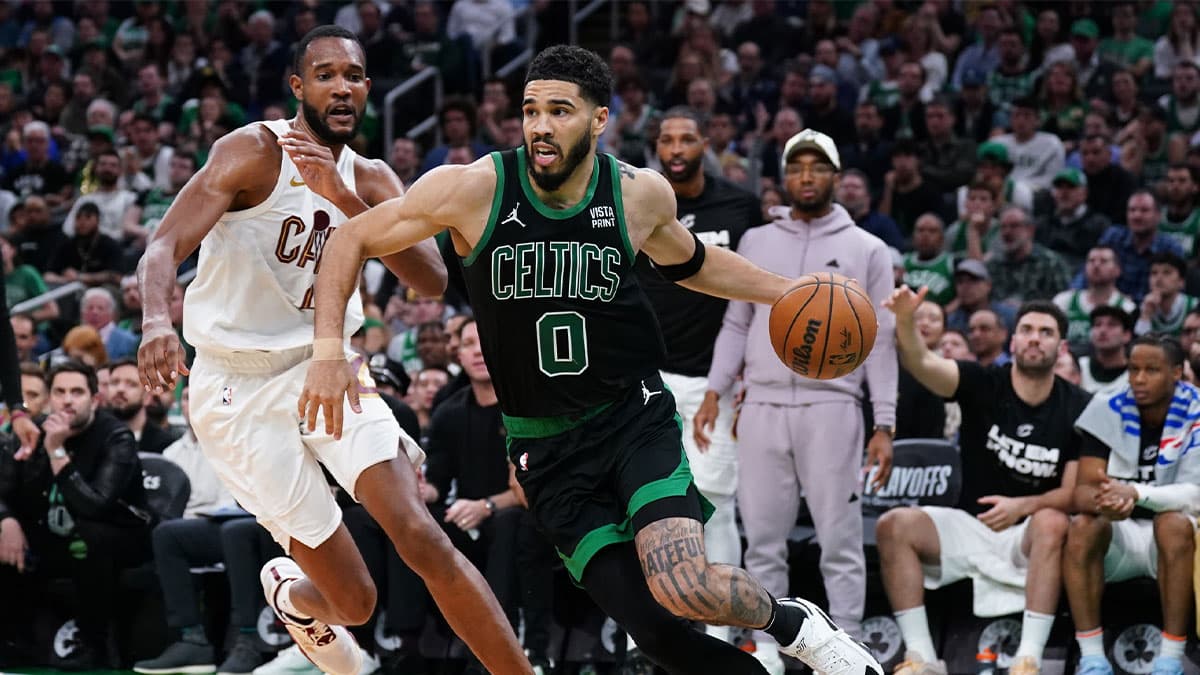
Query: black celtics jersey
point(563, 324)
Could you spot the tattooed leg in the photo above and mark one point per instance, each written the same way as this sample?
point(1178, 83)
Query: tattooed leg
point(682, 580)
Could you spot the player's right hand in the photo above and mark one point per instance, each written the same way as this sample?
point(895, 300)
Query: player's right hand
point(326, 386)
point(161, 359)
point(903, 301)
point(705, 418)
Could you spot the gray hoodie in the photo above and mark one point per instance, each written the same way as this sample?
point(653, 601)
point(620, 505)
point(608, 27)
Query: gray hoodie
point(832, 243)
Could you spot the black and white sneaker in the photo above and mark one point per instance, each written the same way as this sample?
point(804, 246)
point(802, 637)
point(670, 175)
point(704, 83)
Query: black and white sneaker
point(824, 647)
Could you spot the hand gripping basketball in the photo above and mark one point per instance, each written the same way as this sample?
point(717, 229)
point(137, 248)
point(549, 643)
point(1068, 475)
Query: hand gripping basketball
point(824, 327)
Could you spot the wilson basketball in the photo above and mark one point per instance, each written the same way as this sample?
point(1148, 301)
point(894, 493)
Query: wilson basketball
point(824, 327)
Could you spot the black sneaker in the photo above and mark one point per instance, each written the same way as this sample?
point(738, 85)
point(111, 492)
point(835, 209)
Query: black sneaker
point(542, 665)
point(180, 657)
point(243, 657)
point(636, 663)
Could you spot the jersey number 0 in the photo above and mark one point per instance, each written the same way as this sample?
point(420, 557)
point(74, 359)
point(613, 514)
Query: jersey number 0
point(562, 343)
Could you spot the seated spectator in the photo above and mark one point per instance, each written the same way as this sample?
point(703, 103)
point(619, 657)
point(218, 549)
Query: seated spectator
point(82, 344)
point(906, 193)
point(131, 305)
point(975, 115)
point(37, 239)
point(147, 163)
point(128, 401)
point(1181, 218)
point(1126, 48)
point(975, 234)
point(823, 112)
point(1019, 455)
point(972, 292)
point(37, 173)
point(987, 335)
point(35, 392)
point(457, 119)
point(1125, 104)
point(1109, 185)
point(1095, 74)
point(73, 507)
point(1067, 367)
point(197, 540)
point(1181, 42)
point(1022, 269)
point(947, 161)
point(24, 335)
point(868, 151)
point(1165, 305)
point(1145, 149)
point(1105, 365)
point(22, 282)
point(1073, 227)
point(425, 385)
point(1137, 488)
point(784, 124)
point(927, 264)
point(1014, 77)
point(1137, 242)
point(1095, 123)
point(111, 200)
point(995, 169)
point(99, 311)
point(1183, 103)
point(853, 192)
point(90, 255)
point(1036, 156)
point(1100, 273)
point(1061, 104)
point(484, 520)
point(905, 118)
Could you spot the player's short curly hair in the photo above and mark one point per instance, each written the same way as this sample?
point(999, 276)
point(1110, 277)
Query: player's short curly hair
point(576, 65)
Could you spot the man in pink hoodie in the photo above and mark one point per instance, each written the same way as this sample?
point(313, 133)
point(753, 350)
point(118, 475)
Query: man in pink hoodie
point(797, 434)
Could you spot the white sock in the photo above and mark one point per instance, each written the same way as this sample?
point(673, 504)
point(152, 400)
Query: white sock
point(1172, 646)
point(283, 597)
point(914, 628)
point(1035, 632)
point(1091, 642)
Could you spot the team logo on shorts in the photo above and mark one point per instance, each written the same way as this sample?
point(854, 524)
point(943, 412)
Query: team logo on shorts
point(524, 461)
point(227, 396)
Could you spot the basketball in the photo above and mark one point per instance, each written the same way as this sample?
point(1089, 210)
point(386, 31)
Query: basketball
point(824, 327)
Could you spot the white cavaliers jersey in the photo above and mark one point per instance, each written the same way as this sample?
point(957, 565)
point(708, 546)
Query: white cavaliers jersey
point(254, 284)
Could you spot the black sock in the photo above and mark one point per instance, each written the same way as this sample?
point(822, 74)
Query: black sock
point(785, 623)
point(194, 635)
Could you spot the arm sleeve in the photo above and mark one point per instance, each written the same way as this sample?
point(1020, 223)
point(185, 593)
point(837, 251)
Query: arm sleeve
point(1177, 497)
point(94, 498)
point(10, 370)
point(882, 366)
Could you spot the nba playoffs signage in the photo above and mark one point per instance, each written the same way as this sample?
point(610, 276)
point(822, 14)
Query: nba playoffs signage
point(924, 472)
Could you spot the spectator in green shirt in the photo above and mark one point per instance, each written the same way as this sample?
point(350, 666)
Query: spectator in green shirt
point(23, 282)
point(1127, 48)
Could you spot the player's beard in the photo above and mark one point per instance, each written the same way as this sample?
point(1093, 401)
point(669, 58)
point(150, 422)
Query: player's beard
point(818, 205)
point(1035, 366)
point(312, 117)
point(553, 180)
point(688, 172)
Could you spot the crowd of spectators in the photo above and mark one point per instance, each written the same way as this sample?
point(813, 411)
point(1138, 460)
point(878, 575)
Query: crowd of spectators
point(1004, 151)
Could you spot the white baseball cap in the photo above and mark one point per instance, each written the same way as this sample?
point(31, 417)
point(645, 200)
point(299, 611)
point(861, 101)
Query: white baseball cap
point(810, 139)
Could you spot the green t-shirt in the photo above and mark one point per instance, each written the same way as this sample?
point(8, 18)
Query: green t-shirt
point(1185, 232)
point(23, 283)
point(936, 273)
point(1126, 53)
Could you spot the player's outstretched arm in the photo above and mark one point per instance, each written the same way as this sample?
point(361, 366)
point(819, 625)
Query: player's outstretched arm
point(230, 170)
point(722, 273)
point(936, 372)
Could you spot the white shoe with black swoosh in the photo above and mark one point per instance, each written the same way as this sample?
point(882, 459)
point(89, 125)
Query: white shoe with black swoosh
point(824, 647)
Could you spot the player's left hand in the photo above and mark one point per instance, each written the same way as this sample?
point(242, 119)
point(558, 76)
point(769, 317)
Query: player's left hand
point(1116, 500)
point(317, 166)
point(1005, 512)
point(879, 453)
point(326, 386)
point(467, 514)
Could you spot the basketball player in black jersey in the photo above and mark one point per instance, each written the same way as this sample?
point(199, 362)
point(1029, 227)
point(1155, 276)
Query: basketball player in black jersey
point(548, 235)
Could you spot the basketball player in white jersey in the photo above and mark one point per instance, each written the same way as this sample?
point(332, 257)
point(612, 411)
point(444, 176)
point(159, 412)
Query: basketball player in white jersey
point(263, 207)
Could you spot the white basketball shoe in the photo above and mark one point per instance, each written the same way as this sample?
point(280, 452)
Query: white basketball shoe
point(824, 647)
point(330, 648)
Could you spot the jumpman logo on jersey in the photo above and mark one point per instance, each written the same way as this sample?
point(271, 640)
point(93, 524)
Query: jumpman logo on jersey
point(512, 217)
point(647, 394)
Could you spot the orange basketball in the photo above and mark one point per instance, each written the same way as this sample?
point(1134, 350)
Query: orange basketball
point(824, 327)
